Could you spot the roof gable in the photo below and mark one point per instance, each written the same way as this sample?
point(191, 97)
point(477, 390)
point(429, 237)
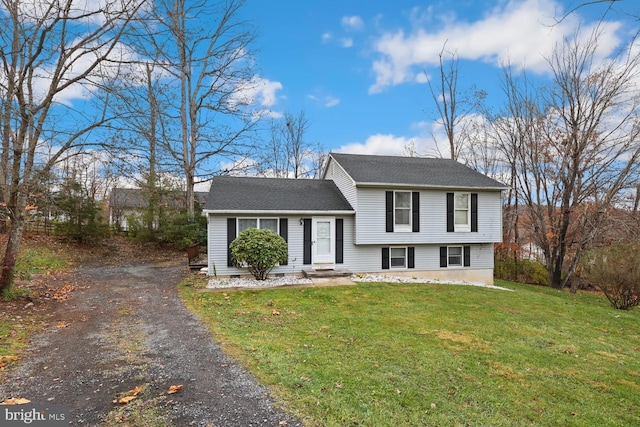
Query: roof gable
point(412, 171)
point(275, 195)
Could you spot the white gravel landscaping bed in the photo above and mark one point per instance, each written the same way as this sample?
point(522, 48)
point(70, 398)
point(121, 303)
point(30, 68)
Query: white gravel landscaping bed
point(250, 282)
point(272, 282)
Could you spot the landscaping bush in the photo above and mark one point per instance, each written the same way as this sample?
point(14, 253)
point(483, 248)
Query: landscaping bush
point(522, 270)
point(616, 271)
point(258, 251)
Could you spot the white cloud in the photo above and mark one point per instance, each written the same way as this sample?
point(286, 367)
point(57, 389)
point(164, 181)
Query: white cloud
point(521, 32)
point(353, 22)
point(330, 101)
point(327, 101)
point(93, 12)
point(256, 91)
point(390, 145)
point(346, 42)
point(326, 37)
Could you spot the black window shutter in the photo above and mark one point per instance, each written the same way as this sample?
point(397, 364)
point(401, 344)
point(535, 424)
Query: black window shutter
point(450, 226)
point(284, 233)
point(467, 256)
point(231, 236)
point(415, 211)
point(474, 212)
point(306, 250)
point(385, 258)
point(443, 256)
point(389, 211)
point(411, 257)
point(339, 240)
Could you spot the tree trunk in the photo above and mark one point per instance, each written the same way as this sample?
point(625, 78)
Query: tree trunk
point(11, 253)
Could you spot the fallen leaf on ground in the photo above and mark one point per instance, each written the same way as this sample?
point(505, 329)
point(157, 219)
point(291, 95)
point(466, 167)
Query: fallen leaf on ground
point(15, 401)
point(126, 399)
point(174, 389)
point(63, 325)
point(135, 391)
point(130, 395)
point(62, 294)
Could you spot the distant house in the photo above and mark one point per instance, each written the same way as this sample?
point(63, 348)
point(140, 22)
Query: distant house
point(124, 202)
point(396, 215)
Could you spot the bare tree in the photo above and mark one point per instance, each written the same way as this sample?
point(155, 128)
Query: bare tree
point(209, 57)
point(575, 149)
point(48, 49)
point(289, 153)
point(514, 129)
point(141, 97)
point(452, 104)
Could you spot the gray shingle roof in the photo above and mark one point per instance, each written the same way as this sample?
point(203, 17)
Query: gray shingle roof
point(275, 195)
point(412, 171)
point(136, 198)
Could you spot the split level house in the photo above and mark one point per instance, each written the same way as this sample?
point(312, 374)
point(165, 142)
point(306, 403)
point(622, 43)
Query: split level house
point(405, 216)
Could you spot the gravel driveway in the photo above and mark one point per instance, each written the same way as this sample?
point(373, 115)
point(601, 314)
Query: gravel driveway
point(125, 327)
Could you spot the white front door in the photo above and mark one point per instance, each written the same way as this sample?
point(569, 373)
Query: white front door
point(323, 232)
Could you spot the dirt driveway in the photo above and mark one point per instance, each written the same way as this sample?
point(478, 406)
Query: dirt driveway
point(125, 327)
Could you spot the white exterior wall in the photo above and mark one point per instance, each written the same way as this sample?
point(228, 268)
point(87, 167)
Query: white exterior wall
point(344, 183)
point(368, 259)
point(217, 245)
point(370, 219)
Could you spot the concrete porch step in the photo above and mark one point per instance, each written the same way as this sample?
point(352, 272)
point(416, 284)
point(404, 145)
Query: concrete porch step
point(325, 274)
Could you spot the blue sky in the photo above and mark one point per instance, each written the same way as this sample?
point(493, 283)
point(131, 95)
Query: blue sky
point(357, 68)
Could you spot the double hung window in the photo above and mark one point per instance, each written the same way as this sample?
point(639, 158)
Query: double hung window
point(462, 211)
point(454, 256)
point(262, 223)
point(402, 210)
point(398, 257)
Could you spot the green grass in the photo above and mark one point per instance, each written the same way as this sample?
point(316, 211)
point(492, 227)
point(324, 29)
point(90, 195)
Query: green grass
point(39, 259)
point(410, 355)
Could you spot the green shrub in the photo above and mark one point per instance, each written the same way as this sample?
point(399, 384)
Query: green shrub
point(182, 230)
point(524, 271)
point(138, 232)
point(616, 271)
point(258, 251)
point(78, 215)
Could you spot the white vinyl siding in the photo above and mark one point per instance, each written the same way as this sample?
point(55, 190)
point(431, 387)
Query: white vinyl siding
point(357, 259)
point(370, 223)
point(217, 246)
point(368, 258)
point(344, 183)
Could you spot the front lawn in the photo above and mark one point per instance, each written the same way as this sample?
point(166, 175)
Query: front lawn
point(410, 355)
